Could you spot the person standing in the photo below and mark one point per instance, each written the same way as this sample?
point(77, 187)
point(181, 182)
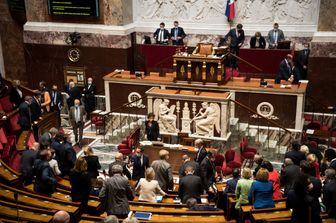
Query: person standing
point(152, 128)
point(208, 173)
point(89, 96)
point(93, 164)
point(56, 102)
point(15, 94)
point(237, 36)
point(302, 61)
point(74, 94)
point(201, 151)
point(288, 175)
point(140, 162)
point(243, 188)
point(35, 107)
point(25, 119)
point(163, 171)
point(69, 157)
point(161, 35)
point(116, 192)
point(80, 183)
point(274, 36)
point(45, 97)
point(119, 159)
point(329, 192)
point(190, 186)
point(188, 162)
point(77, 120)
point(177, 34)
point(285, 70)
point(27, 162)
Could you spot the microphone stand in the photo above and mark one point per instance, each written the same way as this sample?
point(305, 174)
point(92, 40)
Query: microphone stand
point(16, 196)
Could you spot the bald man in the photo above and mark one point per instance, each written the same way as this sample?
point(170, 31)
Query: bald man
point(61, 217)
point(77, 116)
point(119, 159)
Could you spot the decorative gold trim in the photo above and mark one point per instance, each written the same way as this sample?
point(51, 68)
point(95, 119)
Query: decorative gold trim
point(74, 55)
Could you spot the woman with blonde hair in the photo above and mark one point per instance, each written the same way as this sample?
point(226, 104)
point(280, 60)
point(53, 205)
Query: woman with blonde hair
point(92, 161)
point(80, 183)
point(243, 187)
point(261, 191)
point(148, 187)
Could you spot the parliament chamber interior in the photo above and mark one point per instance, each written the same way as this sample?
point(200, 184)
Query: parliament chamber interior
point(168, 111)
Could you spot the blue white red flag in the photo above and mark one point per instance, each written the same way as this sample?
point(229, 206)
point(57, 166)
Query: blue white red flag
point(230, 10)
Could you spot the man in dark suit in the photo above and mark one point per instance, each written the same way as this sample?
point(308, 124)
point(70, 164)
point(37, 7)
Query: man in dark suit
point(74, 93)
point(77, 115)
point(119, 161)
point(140, 163)
point(188, 162)
point(25, 119)
point(201, 151)
point(294, 154)
point(237, 36)
point(288, 175)
point(329, 192)
point(58, 146)
point(285, 70)
point(89, 95)
point(47, 138)
point(177, 34)
point(274, 36)
point(208, 172)
point(69, 156)
point(161, 35)
point(35, 107)
point(27, 163)
point(15, 94)
point(302, 61)
point(56, 102)
point(190, 186)
point(258, 41)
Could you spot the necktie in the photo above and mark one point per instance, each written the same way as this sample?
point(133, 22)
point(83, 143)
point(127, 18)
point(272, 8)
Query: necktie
point(161, 36)
point(275, 37)
point(77, 116)
point(175, 34)
point(55, 99)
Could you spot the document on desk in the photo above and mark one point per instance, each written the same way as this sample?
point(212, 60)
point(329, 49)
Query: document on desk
point(310, 131)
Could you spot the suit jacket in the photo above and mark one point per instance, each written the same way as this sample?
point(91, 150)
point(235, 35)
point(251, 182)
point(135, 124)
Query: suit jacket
point(153, 132)
point(288, 176)
point(192, 163)
point(80, 186)
point(201, 154)
point(45, 139)
point(163, 174)
point(329, 197)
point(72, 114)
point(45, 181)
point(69, 159)
point(59, 152)
point(25, 115)
point(297, 74)
point(74, 93)
point(190, 187)
point(27, 163)
point(208, 173)
point(235, 40)
point(138, 168)
point(89, 92)
point(303, 58)
point(15, 98)
point(116, 192)
point(270, 37)
point(295, 156)
point(123, 164)
point(166, 36)
point(35, 108)
point(285, 71)
point(93, 165)
point(180, 33)
point(56, 100)
point(262, 42)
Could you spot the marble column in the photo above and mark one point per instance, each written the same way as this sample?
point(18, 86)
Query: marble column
point(324, 40)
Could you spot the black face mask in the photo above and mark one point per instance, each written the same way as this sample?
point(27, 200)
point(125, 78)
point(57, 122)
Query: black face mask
point(240, 31)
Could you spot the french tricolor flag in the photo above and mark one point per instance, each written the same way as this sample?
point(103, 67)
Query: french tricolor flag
point(230, 10)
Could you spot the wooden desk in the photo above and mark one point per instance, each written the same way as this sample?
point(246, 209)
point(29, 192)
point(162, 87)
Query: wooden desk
point(8, 175)
point(273, 214)
point(196, 68)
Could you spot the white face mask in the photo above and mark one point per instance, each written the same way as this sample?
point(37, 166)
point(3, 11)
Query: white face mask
point(89, 82)
point(258, 37)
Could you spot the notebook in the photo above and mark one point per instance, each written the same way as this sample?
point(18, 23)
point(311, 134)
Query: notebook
point(143, 215)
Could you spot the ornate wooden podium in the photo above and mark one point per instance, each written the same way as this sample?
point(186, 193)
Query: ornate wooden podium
point(196, 68)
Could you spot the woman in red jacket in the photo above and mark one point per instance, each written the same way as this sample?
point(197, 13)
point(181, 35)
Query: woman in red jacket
point(274, 177)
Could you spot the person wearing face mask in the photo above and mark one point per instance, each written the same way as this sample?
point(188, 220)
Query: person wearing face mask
point(302, 61)
point(258, 41)
point(302, 204)
point(161, 35)
point(45, 97)
point(140, 162)
point(177, 34)
point(285, 70)
point(56, 102)
point(237, 37)
point(152, 128)
point(89, 96)
point(274, 36)
point(25, 119)
point(77, 116)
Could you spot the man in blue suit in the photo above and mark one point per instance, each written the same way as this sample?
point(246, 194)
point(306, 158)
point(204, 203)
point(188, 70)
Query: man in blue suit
point(237, 37)
point(177, 34)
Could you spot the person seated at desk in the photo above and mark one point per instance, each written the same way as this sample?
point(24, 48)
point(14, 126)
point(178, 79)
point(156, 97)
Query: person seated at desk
point(257, 41)
point(274, 36)
point(177, 34)
point(152, 128)
point(190, 186)
point(285, 70)
point(161, 35)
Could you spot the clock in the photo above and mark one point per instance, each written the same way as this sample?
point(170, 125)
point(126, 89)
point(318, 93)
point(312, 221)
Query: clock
point(74, 55)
